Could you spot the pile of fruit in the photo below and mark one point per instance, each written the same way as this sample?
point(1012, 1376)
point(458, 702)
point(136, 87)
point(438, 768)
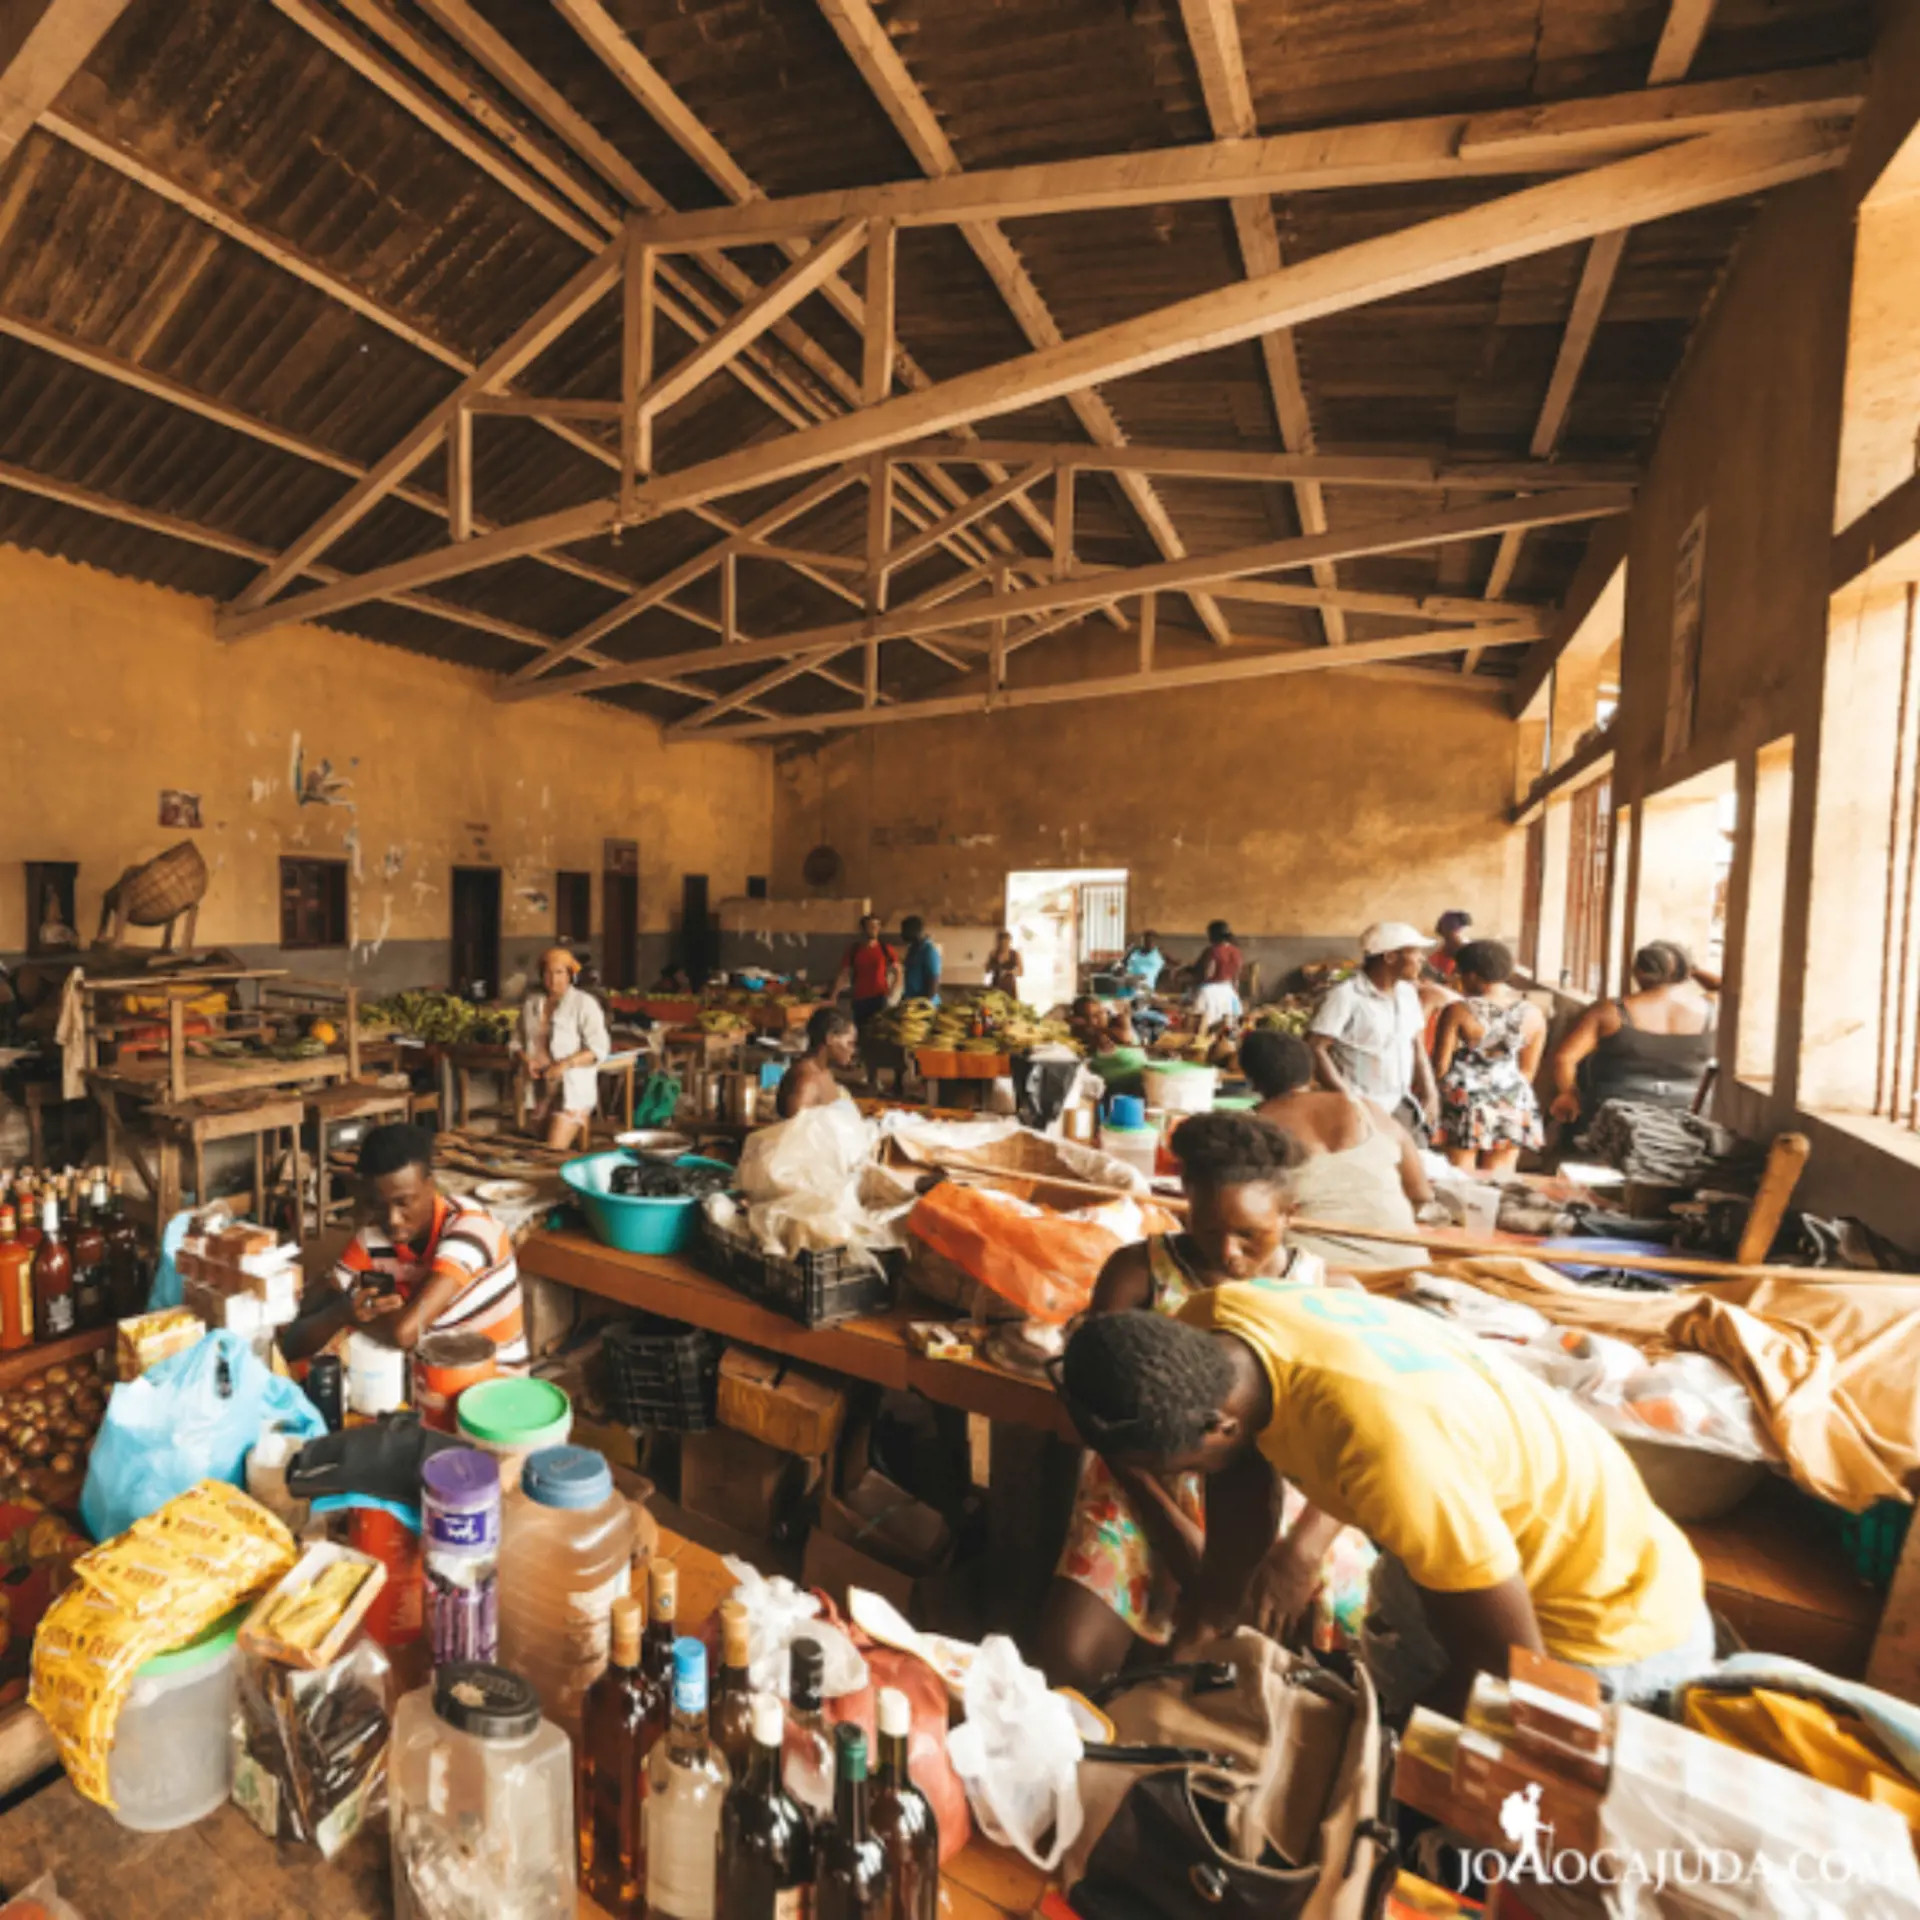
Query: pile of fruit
point(47, 1423)
point(441, 1018)
point(1011, 1027)
point(1291, 1014)
point(724, 1020)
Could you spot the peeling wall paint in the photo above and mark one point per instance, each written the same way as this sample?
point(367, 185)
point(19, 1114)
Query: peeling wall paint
point(305, 741)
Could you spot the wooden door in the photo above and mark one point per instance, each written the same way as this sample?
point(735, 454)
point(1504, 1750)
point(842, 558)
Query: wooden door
point(476, 931)
point(620, 903)
point(697, 944)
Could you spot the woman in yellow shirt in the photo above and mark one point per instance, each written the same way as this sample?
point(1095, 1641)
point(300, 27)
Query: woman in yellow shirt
point(1505, 1515)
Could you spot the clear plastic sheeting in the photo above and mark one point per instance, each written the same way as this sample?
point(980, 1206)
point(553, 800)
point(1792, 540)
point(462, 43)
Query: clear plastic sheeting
point(801, 1180)
point(778, 1614)
point(1018, 1755)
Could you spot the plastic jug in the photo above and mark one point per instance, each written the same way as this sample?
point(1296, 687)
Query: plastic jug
point(172, 1759)
point(1137, 1147)
point(481, 1801)
point(566, 1544)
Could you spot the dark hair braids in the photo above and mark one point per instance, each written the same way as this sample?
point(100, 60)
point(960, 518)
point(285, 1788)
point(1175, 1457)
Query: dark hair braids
point(1235, 1150)
point(1143, 1383)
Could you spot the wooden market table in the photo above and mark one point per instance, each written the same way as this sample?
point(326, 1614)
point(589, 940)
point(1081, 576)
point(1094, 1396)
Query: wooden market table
point(221, 1868)
point(874, 1348)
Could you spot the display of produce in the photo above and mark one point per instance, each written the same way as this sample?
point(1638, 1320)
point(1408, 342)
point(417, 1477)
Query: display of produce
point(47, 1424)
point(442, 1019)
point(653, 1180)
point(987, 1023)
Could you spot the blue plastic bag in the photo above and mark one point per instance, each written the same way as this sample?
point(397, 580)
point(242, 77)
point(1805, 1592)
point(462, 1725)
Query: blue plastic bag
point(193, 1417)
point(168, 1289)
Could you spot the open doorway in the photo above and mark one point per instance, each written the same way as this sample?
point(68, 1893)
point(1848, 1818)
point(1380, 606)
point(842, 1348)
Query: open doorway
point(476, 931)
point(1061, 919)
point(620, 909)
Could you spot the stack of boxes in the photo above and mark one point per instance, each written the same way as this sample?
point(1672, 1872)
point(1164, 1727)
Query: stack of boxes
point(243, 1278)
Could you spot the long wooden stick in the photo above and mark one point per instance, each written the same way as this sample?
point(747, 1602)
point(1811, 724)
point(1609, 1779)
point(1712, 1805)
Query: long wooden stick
point(1446, 1241)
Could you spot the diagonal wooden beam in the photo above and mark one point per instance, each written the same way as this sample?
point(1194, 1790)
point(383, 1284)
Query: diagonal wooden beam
point(173, 527)
point(517, 352)
point(902, 556)
point(1246, 665)
point(1090, 588)
point(894, 87)
point(56, 47)
point(1685, 28)
point(1213, 34)
point(1472, 239)
point(1546, 138)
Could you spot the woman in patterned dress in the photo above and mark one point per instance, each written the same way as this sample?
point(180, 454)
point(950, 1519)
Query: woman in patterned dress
point(1486, 1052)
point(1143, 1556)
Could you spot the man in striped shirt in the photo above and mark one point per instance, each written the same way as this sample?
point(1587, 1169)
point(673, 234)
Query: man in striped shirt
point(422, 1262)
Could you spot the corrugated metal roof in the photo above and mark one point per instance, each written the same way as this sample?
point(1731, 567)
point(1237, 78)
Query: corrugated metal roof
point(233, 101)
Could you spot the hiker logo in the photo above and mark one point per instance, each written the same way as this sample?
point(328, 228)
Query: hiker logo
point(1520, 1821)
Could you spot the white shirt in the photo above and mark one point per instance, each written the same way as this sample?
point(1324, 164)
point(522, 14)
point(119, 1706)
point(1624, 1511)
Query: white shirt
point(578, 1025)
point(1373, 1035)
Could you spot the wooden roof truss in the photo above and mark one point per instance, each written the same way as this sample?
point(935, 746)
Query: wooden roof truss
point(936, 493)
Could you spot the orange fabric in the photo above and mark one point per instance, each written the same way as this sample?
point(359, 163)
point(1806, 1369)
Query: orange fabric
point(1044, 1263)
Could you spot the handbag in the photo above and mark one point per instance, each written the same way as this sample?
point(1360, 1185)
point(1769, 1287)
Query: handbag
point(1246, 1782)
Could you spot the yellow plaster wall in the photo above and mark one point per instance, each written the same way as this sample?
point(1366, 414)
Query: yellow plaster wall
point(114, 690)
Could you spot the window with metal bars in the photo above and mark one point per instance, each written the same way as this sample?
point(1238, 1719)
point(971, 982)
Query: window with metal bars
point(1103, 920)
point(1589, 854)
point(1532, 886)
point(1896, 1081)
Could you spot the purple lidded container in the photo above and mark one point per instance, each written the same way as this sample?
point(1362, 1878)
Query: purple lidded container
point(460, 1503)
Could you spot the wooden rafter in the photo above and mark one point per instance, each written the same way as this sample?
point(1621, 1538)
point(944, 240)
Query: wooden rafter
point(1542, 139)
point(173, 527)
point(1244, 665)
point(1213, 34)
point(894, 87)
point(1535, 219)
point(1088, 588)
point(1686, 27)
point(56, 47)
point(1333, 469)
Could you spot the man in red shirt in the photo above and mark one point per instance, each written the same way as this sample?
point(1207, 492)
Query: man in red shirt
point(870, 968)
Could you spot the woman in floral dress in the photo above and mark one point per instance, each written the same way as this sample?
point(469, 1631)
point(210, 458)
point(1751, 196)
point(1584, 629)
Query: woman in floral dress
point(1485, 1054)
point(1137, 1563)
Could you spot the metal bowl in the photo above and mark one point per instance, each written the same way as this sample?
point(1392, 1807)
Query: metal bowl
point(655, 1142)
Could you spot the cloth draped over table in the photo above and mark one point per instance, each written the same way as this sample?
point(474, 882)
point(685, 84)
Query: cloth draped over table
point(1833, 1364)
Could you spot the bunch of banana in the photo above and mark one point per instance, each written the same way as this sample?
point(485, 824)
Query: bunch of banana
point(723, 1020)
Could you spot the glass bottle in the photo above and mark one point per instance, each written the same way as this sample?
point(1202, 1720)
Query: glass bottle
point(850, 1879)
point(656, 1650)
point(765, 1868)
point(52, 1278)
point(902, 1818)
point(26, 1211)
point(686, 1788)
point(612, 1790)
point(808, 1765)
point(126, 1263)
point(87, 1246)
point(16, 1287)
point(732, 1693)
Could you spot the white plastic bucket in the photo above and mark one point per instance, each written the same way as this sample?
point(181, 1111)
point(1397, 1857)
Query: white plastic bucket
point(1182, 1088)
point(172, 1758)
point(376, 1375)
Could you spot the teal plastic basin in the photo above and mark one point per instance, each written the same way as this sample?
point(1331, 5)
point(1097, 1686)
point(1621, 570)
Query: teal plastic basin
point(621, 1220)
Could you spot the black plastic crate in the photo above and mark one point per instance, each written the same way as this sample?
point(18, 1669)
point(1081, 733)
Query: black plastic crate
point(662, 1374)
point(816, 1289)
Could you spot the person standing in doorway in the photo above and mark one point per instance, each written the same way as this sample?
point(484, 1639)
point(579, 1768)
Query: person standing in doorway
point(870, 970)
point(1004, 965)
point(1368, 1036)
point(920, 970)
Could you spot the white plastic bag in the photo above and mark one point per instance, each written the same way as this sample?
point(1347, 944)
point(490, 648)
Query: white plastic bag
point(801, 1178)
point(1018, 1756)
point(778, 1614)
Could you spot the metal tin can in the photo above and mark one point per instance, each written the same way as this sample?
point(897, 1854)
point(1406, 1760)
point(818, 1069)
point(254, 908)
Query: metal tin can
point(445, 1365)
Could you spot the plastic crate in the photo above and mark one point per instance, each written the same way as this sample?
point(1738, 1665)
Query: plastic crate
point(662, 1374)
point(1872, 1541)
point(816, 1289)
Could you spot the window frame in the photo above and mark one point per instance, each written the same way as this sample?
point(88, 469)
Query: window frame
point(293, 868)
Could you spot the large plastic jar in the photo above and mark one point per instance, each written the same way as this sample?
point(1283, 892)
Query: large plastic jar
point(1136, 1147)
point(511, 1418)
point(480, 1801)
point(172, 1759)
point(566, 1548)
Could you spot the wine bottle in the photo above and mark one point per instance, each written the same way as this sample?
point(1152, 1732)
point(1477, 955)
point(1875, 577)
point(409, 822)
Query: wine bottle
point(52, 1277)
point(850, 1879)
point(656, 1651)
point(612, 1785)
point(686, 1788)
point(902, 1817)
point(765, 1865)
point(808, 1765)
point(16, 1287)
point(732, 1715)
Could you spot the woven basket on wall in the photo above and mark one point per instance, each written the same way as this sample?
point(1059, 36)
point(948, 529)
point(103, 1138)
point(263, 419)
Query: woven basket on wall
point(168, 884)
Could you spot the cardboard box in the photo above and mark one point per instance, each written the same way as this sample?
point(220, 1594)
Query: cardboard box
point(1489, 1773)
point(740, 1481)
point(1559, 1708)
point(775, 1402)
point(885, 1521)
point(1423, 1779)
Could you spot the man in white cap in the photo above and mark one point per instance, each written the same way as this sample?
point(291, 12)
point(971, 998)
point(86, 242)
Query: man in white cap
point(1368, 1037)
